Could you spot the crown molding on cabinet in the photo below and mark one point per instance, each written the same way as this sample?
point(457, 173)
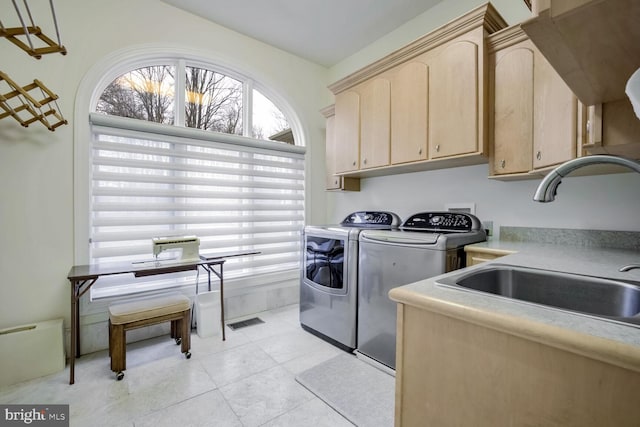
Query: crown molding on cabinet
point(328, 111)
point(483, 16)
point(505, 38)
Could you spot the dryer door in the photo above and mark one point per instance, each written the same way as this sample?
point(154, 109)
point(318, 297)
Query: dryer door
point(325, 263)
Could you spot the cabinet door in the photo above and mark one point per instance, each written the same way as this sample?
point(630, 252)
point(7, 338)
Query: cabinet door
point(453, 100)
point(375, 123)
point(513, 110)
point(332, 181)
point(409, 113)
point(347, 131)
point(620, 129)
point(555, 116)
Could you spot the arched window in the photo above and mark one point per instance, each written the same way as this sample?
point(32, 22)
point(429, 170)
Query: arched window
point(181, 148)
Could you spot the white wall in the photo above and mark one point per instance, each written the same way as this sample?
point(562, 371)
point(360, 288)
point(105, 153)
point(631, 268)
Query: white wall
point(606, 202)
point(36, 166)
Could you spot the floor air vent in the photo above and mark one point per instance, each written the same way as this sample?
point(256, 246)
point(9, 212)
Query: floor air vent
point(245, 323)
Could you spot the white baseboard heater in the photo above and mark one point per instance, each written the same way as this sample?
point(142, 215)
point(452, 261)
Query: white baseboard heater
point(31, 351)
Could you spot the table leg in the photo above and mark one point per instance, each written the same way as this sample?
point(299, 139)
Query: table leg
point(77, 308)
point(222, 302)
point(74, 348)
point(74, 337)
point(210, 269)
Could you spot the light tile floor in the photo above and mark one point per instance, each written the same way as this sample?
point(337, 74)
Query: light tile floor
point(247, 380)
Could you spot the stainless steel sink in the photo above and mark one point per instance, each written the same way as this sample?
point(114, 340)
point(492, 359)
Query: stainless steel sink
point(608, 299)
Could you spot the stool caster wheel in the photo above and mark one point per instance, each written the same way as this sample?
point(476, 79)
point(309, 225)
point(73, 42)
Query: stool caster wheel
point(187, 355)
point(119, 376)
point(178, 340)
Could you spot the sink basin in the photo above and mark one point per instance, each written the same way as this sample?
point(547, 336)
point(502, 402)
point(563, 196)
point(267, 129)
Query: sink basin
point(603, 298)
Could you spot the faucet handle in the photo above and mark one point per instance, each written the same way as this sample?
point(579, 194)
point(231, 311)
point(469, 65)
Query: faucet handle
point(629, 267)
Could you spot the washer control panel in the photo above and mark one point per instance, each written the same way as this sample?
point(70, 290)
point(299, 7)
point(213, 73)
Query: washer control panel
point(371, 218)
point(442, 221)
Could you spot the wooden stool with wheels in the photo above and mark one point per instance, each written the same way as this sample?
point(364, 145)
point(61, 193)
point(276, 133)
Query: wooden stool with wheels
point(124, 316)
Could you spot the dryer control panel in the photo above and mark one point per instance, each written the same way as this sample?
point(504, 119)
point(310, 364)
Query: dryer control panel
point(453, 222)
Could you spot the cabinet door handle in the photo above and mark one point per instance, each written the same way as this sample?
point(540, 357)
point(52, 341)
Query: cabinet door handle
point(437, 148)
point(420, 151)
point(503, 164)
point(539, 155)
point(354, 163)
point(335, 182)
point(364, 161)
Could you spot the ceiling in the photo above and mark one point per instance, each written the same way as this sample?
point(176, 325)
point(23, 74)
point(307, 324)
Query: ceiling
point(322, 31)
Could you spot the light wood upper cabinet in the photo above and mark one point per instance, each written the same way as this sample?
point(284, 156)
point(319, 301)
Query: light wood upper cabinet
point(375, 123)
point(534, 116)
point(347, 131)
point(453, 100)
point(555, 116)
point(437, 102)
point(333, 181)
point(512, 86)
point(409, 112)
point(592, 44)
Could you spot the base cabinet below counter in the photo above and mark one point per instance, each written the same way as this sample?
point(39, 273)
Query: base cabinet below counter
point(452, 372)
point(477, 254)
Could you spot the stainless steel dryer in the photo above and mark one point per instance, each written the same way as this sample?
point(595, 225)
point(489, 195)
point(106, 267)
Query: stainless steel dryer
point(328, 284)
point(427, 244)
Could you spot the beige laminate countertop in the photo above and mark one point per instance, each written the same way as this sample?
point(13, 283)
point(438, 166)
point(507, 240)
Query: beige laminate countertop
point(603, 340)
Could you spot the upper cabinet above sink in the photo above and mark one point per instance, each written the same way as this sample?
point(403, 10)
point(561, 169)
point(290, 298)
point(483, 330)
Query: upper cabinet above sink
point(593, 44)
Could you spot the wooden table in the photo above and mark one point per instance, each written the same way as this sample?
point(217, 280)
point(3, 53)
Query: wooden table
point(82, 277)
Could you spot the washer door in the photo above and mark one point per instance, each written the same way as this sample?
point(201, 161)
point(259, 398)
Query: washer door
point(382, 267)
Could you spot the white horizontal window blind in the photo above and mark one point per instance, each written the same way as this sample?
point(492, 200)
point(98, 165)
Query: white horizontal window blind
point(233, 192)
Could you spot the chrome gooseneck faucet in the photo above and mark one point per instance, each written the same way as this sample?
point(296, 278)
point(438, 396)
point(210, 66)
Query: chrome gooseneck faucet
point(546, 191)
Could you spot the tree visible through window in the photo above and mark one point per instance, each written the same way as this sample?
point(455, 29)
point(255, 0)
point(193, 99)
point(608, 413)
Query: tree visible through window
point(212, 101)
point(145, 94)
